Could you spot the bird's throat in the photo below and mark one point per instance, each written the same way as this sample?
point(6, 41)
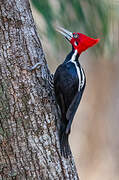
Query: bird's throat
point(72, 56)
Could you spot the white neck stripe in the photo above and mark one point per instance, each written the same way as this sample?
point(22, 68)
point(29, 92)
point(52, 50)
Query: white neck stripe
point(74, 56)
point(79, 70)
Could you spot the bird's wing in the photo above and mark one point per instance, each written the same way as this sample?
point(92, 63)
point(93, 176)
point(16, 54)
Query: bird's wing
point(72, 109)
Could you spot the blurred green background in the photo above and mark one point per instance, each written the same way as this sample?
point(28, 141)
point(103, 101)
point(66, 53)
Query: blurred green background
point(95, 130)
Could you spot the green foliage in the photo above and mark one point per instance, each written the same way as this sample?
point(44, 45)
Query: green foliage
point(45, 9)
point(89, 16)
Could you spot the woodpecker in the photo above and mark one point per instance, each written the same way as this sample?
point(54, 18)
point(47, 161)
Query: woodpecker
point(69, 84)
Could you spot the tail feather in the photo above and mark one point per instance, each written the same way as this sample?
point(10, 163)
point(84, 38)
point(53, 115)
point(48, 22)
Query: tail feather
point(64, 145)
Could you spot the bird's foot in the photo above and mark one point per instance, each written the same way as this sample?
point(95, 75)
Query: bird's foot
point(51, 81)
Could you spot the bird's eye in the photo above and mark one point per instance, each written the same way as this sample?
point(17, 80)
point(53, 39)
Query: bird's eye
point(76, 43)
point(75, 35)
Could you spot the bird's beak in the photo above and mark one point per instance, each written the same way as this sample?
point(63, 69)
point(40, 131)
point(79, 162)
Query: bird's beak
point(67, 34)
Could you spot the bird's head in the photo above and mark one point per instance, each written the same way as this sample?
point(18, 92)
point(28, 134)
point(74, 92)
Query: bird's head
point(79, 41)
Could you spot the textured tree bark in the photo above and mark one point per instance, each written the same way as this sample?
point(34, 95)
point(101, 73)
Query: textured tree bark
point(29, 146)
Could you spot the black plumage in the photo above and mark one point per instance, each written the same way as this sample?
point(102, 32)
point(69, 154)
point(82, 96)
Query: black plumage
point(68, 95)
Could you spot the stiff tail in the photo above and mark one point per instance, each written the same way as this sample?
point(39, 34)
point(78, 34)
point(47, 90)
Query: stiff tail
point(64, 145)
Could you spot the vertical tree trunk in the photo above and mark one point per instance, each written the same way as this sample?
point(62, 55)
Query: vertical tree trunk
point(29, 147)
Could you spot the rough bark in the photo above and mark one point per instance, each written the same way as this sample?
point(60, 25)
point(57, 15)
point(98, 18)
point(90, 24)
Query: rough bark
point(29, 145)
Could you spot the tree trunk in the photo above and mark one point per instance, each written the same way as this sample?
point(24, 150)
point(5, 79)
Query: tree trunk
point(29, 144)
